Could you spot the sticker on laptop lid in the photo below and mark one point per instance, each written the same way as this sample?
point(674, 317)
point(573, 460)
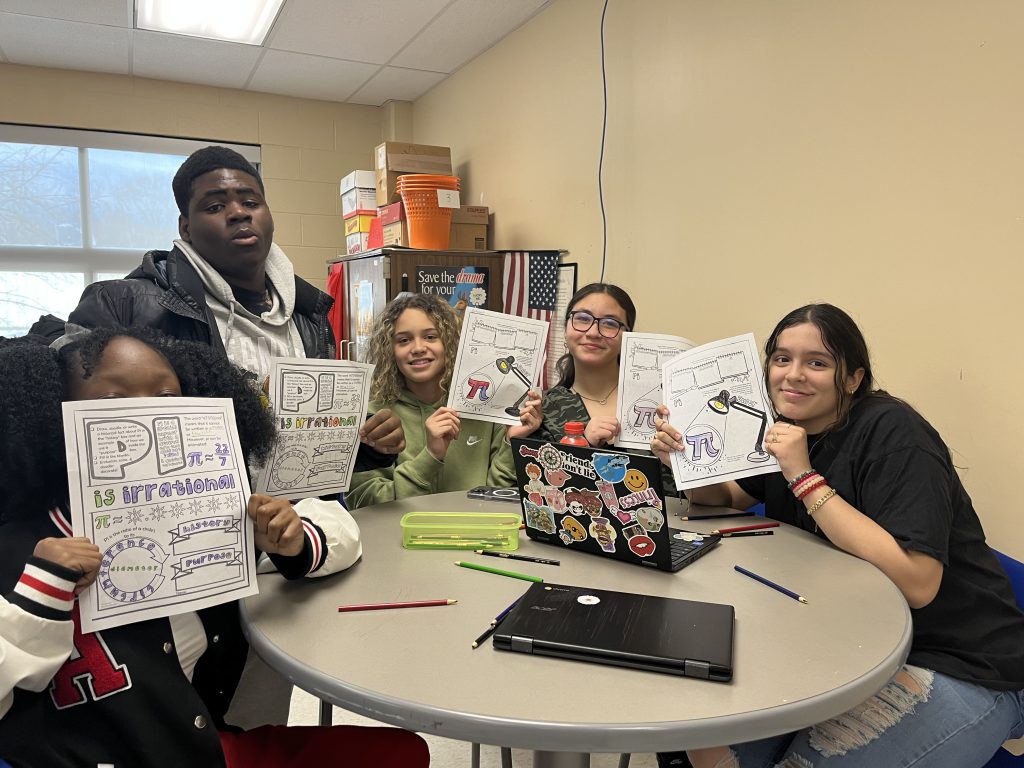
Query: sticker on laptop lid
point(583, 501)
point(541, 518)
point(650, 518)
point(603, 532)
point(610, 467)
point(588, 599)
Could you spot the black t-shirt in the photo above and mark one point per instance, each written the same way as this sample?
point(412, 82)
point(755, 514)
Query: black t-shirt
point(892, 466)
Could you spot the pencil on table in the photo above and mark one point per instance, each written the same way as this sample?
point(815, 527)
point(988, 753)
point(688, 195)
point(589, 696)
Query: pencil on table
point(499, 571)
point(385, 606)
point(717, 516)
point(772, 584)
point(746, 533)
point(756, 527)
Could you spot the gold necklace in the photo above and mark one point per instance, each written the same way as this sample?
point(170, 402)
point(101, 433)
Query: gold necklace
point(601, 401)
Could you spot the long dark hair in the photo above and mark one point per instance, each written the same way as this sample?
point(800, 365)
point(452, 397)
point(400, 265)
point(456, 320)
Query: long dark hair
point(34, 380)
point(843, 339)
point(566, 366)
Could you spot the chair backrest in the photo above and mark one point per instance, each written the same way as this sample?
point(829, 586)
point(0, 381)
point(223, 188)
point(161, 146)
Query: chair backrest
point(1015, 570)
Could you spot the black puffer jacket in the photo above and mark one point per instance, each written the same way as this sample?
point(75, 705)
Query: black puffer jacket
point(166, 293)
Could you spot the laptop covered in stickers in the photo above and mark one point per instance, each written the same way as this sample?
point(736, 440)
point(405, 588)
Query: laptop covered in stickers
point(600, 501)
point(623, 629)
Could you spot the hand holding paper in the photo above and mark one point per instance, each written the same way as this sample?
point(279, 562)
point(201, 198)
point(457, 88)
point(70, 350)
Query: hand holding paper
point(277, 527)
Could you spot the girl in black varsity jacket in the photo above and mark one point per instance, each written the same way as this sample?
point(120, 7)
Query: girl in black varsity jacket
point(152, 693)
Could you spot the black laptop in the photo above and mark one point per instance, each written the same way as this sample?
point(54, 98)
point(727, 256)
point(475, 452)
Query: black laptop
point(603, 502)
point(658, 634)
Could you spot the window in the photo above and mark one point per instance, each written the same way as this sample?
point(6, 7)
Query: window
point(77, 207)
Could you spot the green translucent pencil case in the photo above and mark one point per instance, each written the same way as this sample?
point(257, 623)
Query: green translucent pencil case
point(497, 531)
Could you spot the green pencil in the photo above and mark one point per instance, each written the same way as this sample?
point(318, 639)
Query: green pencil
point(488, 569)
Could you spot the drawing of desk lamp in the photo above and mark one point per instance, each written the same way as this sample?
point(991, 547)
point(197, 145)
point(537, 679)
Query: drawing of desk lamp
point(508, 365)
point(723, 403)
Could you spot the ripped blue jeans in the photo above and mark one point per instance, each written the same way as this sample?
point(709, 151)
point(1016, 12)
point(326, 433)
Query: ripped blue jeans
point(920, 719)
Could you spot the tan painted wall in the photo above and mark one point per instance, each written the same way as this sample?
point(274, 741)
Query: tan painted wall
point(762, 155)
point(307, 145)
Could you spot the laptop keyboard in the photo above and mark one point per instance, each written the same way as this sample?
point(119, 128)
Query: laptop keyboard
point(686, 550)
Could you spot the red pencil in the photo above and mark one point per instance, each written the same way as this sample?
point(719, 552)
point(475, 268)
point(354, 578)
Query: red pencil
point(747, 528)
point(382, 606)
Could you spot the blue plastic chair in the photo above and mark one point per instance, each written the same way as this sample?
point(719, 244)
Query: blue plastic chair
point(1015, 570)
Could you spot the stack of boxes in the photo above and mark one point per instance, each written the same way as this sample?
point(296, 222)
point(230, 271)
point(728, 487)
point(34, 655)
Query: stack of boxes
point(358, 209)
point(372, 207)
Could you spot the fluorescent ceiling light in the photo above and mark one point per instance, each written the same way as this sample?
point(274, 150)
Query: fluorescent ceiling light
point(237, 21)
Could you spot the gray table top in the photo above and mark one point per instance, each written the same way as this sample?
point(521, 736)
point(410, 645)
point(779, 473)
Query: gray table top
point(795, 664)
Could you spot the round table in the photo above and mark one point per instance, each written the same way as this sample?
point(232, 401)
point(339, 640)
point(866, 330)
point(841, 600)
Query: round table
point(795, 664)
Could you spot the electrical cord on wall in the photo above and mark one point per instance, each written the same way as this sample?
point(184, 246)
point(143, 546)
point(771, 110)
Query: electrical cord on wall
point(600, 161)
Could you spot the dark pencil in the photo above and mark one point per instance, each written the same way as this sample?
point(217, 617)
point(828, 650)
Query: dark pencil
point(494, 624)
point(746, 533)
point(716, 517)
point(772, 584)
point(486, 633)
point(512, 556)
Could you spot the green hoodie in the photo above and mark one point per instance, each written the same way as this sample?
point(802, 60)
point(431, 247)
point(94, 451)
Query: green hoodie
point(480, 456)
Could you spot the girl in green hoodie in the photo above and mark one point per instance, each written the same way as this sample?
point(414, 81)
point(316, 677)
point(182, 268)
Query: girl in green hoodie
point(413, 347)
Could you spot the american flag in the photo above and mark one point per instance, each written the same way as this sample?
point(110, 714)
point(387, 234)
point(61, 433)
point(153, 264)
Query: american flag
point(530, 279)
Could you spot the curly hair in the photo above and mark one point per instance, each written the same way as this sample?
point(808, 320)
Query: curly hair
point(34, 381)
point(387, 379)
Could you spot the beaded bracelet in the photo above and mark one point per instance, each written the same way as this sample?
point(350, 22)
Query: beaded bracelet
point(813, 486)
point(803, 485)
point(798, 478)
point(818, 504)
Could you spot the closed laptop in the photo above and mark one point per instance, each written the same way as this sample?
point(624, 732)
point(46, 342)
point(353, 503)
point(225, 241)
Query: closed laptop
point(658, 634)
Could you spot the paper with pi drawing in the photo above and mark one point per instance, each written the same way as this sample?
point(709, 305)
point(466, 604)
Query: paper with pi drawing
point(319, 407)
point(717, 400)
point(641, 359)
point(500, 359)
point(159, 485)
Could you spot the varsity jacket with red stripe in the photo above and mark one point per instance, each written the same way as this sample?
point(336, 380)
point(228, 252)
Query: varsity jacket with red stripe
point(120, 696)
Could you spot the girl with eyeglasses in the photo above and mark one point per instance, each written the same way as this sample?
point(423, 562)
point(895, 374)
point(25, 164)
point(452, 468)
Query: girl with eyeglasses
point(589, 370)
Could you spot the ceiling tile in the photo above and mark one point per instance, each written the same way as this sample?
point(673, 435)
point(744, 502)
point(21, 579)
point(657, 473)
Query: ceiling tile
point(192, 60)
point(355, 30)
point(313, 77)
point(64, 44)
point(465, 29)
point(393, 83)
point(114, 13)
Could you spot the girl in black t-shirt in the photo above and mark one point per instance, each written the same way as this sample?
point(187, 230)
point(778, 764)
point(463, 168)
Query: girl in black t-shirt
point(864, 470)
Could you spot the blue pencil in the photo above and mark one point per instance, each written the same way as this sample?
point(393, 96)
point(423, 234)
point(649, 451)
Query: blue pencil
point(771, 584)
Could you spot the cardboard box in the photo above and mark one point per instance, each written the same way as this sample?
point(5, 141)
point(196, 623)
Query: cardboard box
point(357, 180)
point(358, 222)
point(357, 243)
point(412, 158)
point(391, 213)
point(359, 200)
point(468, 237)
point(470, 214)
point(396, 233)
point(469, 228)
point(393, 158)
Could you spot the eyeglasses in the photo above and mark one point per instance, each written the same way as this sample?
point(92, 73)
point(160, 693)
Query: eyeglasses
point(608, 327)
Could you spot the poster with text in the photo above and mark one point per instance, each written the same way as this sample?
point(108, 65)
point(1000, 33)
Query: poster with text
point(319, 407)
point(499, 360)
point(461, 287)
point(717, 400)
point(160, 486)
point(641, 359)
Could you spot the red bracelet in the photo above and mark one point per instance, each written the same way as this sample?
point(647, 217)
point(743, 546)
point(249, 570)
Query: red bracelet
point(820, 482)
